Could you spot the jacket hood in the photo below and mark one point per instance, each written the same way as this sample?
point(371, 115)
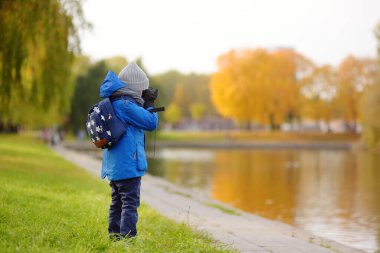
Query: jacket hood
point(111, 83)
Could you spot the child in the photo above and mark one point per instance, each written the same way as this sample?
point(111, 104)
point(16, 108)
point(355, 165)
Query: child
point(125, 163)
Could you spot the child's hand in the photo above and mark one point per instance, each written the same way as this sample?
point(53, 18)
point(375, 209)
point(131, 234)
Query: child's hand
point(149, 95)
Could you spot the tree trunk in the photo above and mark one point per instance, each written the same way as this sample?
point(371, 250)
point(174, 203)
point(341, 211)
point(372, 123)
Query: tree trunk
point(8, 128)
point(354, 127)
point(273, 125)
point(328, 126)
point(247, 125)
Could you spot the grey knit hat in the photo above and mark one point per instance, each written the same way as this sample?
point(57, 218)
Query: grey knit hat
point(134, 77)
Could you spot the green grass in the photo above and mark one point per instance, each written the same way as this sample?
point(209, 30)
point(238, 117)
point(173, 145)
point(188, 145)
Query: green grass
point(273, 136)
point(222, 208)
point(49, 205)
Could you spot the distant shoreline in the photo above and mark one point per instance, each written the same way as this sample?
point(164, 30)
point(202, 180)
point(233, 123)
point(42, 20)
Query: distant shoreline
point(331, 145)
point(214, 144)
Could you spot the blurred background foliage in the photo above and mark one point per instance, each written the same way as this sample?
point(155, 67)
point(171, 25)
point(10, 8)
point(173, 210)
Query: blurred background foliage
point(44, 80)
point(39, 40)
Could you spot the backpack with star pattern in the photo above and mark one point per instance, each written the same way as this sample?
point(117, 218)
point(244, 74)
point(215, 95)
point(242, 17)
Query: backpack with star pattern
point(103, 126)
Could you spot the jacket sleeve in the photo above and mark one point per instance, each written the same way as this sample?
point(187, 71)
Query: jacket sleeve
point(139, 117)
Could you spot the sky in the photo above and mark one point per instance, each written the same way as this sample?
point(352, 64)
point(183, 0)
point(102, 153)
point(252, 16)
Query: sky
point(189, 35)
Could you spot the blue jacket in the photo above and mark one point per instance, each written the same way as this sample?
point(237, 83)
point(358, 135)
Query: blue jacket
point(127, 159)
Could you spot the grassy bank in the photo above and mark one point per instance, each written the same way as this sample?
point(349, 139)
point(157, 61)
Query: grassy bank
point(272, 136)
point(50, 205)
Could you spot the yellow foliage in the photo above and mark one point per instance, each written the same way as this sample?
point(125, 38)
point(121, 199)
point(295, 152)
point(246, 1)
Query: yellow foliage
point(173, 114)
point(319, 91)
point(370, 106)
point(259, 85)
point(197, 110)
point(355, 76)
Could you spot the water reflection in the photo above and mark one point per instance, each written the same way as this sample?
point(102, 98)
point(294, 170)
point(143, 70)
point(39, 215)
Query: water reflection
point(176, 166)
point(335, 194)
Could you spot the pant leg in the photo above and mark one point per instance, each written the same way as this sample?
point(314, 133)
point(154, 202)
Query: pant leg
point(114, 218)
point(129, 190)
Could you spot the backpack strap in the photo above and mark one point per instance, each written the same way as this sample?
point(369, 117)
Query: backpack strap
point(110, 107)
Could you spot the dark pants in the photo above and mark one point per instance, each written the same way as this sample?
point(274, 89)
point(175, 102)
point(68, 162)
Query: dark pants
point(123, 210)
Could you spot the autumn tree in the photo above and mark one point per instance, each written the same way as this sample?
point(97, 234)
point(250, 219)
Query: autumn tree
point(168, 82)
point(355, 76)
point(319, 92)
point(370, 105)
point(38, 42)
point(197, 111)
point(289, 71)
point(197, 91)
point(185, 91)
point(234, 88)
point(173, 114)
point(259, 85)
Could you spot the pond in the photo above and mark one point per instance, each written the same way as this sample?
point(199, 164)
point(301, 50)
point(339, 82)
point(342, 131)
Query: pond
point(333, 194)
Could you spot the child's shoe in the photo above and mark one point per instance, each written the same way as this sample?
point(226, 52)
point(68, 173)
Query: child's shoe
point(115, 237)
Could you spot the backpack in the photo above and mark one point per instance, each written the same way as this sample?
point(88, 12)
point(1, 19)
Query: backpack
point(103, 126)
